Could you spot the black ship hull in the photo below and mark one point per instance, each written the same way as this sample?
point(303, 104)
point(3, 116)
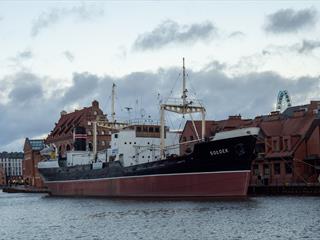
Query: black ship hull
point(225, 164)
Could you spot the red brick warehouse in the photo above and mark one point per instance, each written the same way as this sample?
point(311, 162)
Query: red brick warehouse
point(62, 134)
point(288, 148)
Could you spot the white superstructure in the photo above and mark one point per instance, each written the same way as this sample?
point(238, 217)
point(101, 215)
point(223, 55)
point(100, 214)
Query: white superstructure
point(140, 144)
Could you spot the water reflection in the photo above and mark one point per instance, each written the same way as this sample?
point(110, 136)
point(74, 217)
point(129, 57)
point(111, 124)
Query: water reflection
point(34, 216)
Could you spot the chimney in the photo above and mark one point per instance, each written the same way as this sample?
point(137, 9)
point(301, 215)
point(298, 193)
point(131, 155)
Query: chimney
point(274, 113)
point(235, 117)
point(95, 103)
point(63, 112)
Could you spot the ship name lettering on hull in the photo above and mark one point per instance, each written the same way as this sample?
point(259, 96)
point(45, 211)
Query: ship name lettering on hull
point(219, 151)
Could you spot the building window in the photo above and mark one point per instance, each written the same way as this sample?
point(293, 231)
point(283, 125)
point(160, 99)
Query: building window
point(286, 145)
point(89, 132)
point(288, 166)
point(184, 139)
point(255, 169)
point(138, 129)
point(275, 145)
point(68, 148)
point(116, 136)
point(191, 138)
point(157, 129)
point(90, 146)
point(276, 168)
point(266, 170)
point(103, 143)
point(102, 132)
point(151, 129)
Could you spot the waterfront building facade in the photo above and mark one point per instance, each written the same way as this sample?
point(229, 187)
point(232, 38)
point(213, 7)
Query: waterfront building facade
point(11, 164)
point(62, 134)
point(287, 150)
point(32, 148)
point(3, 179)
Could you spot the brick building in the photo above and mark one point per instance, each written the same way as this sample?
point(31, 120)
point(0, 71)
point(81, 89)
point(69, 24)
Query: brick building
point(31, 149)
point(288, 148)
point(62, 134)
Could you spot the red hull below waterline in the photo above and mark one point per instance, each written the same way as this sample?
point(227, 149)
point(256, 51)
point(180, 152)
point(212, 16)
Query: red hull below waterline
point(208, 184)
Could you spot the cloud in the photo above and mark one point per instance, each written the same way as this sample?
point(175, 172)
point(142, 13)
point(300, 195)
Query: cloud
point(171, 32)
point(83, 84)
point(289, 20)
point(69, 56)
point(27, 88)
point(236, 34)
point(308, 46)
point(25, 55)
point(31, 112)
point(55, 15)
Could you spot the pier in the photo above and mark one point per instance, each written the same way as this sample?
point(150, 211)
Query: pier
point(297, 190)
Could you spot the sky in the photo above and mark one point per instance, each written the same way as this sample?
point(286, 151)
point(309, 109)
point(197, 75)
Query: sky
point(62, 55)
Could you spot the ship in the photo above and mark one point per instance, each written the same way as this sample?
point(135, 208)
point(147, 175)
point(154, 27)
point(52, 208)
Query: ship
point(144, 160)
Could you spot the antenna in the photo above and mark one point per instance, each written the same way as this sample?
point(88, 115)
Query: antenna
point(112, 103)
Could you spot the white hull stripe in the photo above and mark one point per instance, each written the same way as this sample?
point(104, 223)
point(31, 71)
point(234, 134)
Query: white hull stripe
point(144, 176)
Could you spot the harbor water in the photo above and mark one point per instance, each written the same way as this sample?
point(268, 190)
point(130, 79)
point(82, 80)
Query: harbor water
point(37, 216)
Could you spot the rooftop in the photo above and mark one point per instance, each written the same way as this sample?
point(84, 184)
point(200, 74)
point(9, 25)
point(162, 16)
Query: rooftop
point(14, 155)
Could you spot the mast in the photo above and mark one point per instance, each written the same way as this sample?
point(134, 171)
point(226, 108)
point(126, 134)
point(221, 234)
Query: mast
point(112, 103)
point(94, 130)
point(184, 90)
point(184, 108)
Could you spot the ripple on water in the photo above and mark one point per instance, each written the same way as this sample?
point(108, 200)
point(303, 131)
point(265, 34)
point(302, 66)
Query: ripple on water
point(33, 216)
